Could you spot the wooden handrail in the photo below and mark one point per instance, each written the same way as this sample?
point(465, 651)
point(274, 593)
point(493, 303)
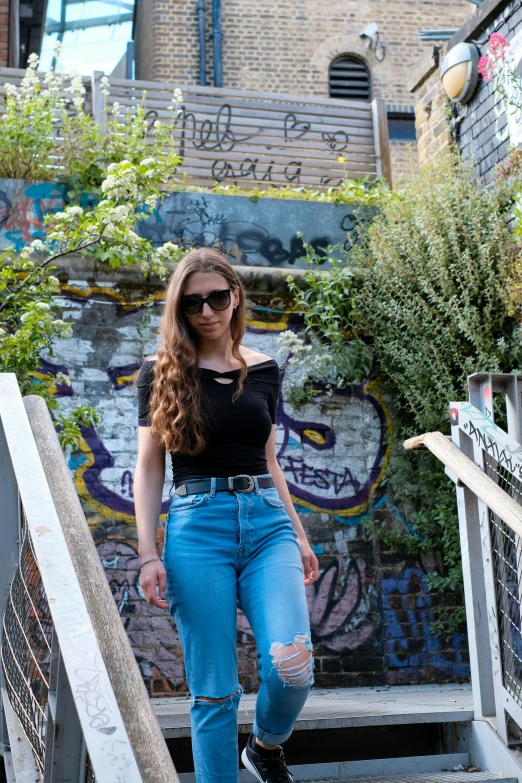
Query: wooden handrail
point(471, 476)
point(149, 747)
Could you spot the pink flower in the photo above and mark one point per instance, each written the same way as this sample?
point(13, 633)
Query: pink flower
point(486, 68)
point(498, 46)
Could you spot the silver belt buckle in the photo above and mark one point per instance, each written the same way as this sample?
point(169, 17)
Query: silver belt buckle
point(181, 490)
point(251, 483)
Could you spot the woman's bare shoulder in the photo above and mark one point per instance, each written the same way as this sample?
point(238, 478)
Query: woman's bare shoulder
point(253, 357)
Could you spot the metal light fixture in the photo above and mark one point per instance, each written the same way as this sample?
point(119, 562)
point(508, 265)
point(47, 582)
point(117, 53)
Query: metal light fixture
point(459, 72)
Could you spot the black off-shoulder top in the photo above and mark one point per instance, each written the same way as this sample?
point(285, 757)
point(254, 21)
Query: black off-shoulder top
point(236, 433)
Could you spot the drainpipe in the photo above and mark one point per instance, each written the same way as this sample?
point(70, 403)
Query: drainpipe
point(216, 22)
point(202, 53)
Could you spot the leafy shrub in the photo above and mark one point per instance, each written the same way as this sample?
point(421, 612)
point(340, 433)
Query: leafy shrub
point(427, 292)
point(434, 265)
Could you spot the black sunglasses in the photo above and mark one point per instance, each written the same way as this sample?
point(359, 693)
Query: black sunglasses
point(217, 300)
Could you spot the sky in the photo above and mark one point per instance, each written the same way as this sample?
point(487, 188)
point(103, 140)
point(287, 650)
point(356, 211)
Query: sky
point(91, 49)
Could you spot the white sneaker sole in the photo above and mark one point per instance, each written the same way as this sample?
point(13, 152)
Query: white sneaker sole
point(253, 771)
point(248, 764)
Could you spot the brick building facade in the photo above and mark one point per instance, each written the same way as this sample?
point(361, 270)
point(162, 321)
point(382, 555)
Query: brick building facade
point(4, 33)
point(289, 45)
point(481, 127)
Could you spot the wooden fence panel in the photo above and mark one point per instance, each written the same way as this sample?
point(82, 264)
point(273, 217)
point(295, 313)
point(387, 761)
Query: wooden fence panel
point(253, 138)
point(260, 139)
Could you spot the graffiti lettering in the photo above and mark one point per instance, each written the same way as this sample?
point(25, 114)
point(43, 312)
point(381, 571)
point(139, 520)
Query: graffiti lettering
point(337, 141)
point(272, 249)
point(487, 443)
point(294, 128)
point(209, 134)
point(223, 169)
point(322, 478)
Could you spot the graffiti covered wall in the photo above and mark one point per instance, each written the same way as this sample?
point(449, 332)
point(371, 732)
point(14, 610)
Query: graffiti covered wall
point(257, 233)
point(370, 611)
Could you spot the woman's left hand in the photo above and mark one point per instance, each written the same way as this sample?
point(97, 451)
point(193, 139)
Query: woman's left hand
point(310, 563)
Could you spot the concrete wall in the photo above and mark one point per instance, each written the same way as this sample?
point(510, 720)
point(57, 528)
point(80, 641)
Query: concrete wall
point(370, 610)
point(262, 233)
point(287, 46)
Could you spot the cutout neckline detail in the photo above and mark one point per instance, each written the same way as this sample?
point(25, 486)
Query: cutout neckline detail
point(229, 372)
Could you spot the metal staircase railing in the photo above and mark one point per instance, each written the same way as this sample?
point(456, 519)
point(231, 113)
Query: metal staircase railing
point(74, 706)
point(486, 465)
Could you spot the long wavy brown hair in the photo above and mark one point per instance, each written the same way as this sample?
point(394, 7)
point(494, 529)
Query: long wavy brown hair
point(175, 404)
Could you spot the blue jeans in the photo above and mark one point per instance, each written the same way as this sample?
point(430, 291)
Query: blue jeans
point(221, 547)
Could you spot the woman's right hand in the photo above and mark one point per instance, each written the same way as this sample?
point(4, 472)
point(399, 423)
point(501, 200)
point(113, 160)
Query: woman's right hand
point(152, 575)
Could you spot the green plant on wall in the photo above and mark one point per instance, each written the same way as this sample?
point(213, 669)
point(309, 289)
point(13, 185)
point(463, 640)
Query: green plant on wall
point(361, 190)
point(330, 347)
point(427, 292)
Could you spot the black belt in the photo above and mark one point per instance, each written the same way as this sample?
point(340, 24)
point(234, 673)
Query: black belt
point(239, 483)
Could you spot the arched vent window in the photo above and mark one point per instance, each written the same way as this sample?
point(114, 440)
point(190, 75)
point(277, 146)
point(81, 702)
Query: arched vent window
point(349, 78)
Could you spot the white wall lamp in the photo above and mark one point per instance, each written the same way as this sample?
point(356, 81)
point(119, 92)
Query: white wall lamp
point(459, 72)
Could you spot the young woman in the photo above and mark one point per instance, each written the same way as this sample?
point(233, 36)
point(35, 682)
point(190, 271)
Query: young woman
point(231, 531)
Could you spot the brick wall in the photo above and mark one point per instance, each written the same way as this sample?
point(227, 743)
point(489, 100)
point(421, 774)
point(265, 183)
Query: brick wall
point(4, 33)
point(431, 110)
point(482, 129)
point(484, 133)
point(404, 161)
point(288, 45)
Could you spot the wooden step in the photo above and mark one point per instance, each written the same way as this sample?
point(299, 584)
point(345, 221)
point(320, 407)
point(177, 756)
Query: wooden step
point(429, 777)
point(424, 777)
point(343, 708)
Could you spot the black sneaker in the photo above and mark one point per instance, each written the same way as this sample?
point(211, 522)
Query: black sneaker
point(267, 769)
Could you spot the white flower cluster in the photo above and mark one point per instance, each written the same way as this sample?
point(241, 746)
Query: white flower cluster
point(35, 307)
point(310, 359)
point(61, 377)
point(177, 99)
point(30, 83)
point(167, 250)
point(78, 90)
point(121, 182)
point(104, 84)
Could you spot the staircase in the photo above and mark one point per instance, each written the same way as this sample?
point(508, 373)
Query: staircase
point(406, 733)
point(65, 653)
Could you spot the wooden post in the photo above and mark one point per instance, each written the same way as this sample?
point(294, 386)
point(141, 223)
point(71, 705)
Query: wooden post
point(98, 100)
point(150, 750)
point(381, 139)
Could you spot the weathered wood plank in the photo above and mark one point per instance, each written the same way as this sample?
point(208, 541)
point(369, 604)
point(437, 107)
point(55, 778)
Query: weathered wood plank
point(162, 98)
point(381, 139)
point(344, 708)
point(296, 126)
point(225, 91)
point(498, 501)
point(151, 754)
